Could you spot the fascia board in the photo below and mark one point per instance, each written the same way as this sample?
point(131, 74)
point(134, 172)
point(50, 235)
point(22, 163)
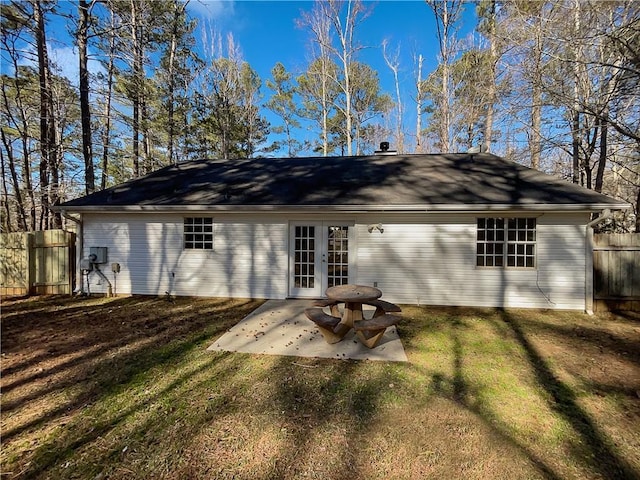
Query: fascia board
point(441, 208)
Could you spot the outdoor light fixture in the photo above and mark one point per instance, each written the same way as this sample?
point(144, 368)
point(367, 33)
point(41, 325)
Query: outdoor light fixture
point(375, 226)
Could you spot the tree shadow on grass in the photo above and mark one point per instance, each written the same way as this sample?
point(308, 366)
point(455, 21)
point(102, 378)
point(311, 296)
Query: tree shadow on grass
point(309, 398)
point(469, 397)
point(105, 357)
point(461, 393)
point(309, 401)
point(320, 406)
point(594, 450)
point(335, 396)
point(597, 451)
point(579, 336)
point(77, 434)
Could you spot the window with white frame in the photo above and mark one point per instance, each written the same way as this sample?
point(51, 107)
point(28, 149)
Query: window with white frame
point(506, 242)
point(198, 233)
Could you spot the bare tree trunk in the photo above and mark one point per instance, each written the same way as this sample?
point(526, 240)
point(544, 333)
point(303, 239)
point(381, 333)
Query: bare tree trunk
point(602, 159)
point(26, 174)
point(147, 166)
point(137, 78)
point(536, 124)
point(171, 106)
point(345, 37)
point(22, 218)
point(106, 133)
point(535, 140)
point(638, 211)
point(6, 218)
point(393, 65)
point(575, 145)
point(85, 109)
point(447, 13)
point(56, 164)
point(178, 10)
point(325, 107)
point(575, 114)
point(491, 94)
point(327, 13)
point(445, 126)
point(319, 22)
point(55, 219)
point(346, 65)
point(8, 147)
point(445, 141)
point(46, 146)
point(419, 146)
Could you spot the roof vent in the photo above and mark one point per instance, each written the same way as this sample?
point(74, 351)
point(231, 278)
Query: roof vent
point(384, 149)
point(475, 149)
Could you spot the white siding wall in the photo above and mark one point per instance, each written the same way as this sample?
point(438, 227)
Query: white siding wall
point(431, 260)
point(249, 258)
point(422, 258)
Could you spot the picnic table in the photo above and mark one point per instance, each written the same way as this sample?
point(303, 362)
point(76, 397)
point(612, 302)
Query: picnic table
point(336, 325)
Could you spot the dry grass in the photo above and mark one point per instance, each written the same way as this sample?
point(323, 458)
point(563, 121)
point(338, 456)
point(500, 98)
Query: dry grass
point(124, 388)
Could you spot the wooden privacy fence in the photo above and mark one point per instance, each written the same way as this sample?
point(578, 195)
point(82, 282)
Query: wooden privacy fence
point(616, 271)
point(37, 263)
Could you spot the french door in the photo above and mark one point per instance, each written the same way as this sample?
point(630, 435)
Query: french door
point(319, 257)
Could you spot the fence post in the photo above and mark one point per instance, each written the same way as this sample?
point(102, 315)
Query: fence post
point(589, 272)
point(617, 271)
point(30, 268)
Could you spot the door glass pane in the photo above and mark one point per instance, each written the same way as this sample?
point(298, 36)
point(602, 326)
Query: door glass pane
point(304, 266)
point(337, 255)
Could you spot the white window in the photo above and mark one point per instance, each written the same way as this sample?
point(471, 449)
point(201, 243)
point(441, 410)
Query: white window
point(198, 233)
point(506, 242)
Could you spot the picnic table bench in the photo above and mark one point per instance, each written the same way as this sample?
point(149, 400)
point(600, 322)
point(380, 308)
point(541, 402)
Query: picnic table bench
point(330, 327)
point(371, 331)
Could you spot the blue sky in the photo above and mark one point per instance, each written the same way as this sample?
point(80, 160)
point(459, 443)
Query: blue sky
point(266, 32)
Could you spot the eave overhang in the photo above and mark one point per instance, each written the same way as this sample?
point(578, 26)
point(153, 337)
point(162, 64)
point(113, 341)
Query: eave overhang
point(440, 208)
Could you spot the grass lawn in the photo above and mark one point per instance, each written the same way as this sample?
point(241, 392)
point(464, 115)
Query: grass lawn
point(122, 388)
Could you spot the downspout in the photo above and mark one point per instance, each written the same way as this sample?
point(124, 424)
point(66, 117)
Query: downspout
point(79, 250)
point(588, 290)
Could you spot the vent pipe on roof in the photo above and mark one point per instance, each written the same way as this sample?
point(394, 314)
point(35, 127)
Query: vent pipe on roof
point(384, 149)
point(476, 149)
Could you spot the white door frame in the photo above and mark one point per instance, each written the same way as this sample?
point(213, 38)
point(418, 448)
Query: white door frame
point(303, 259)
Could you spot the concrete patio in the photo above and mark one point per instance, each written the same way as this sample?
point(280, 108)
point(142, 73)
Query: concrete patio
point(280, 327)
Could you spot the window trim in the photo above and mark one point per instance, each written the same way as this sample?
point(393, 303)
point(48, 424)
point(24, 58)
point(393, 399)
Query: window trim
point(203, 226)
point(515, 232)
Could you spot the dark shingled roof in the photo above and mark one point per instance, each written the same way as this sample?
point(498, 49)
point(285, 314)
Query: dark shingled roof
point(390, 182)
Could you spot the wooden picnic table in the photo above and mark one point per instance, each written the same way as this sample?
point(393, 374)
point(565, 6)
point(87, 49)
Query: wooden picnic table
point(335, 326)
point(353, 297)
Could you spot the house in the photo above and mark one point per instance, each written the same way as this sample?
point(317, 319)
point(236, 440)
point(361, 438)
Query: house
point(451, 229)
